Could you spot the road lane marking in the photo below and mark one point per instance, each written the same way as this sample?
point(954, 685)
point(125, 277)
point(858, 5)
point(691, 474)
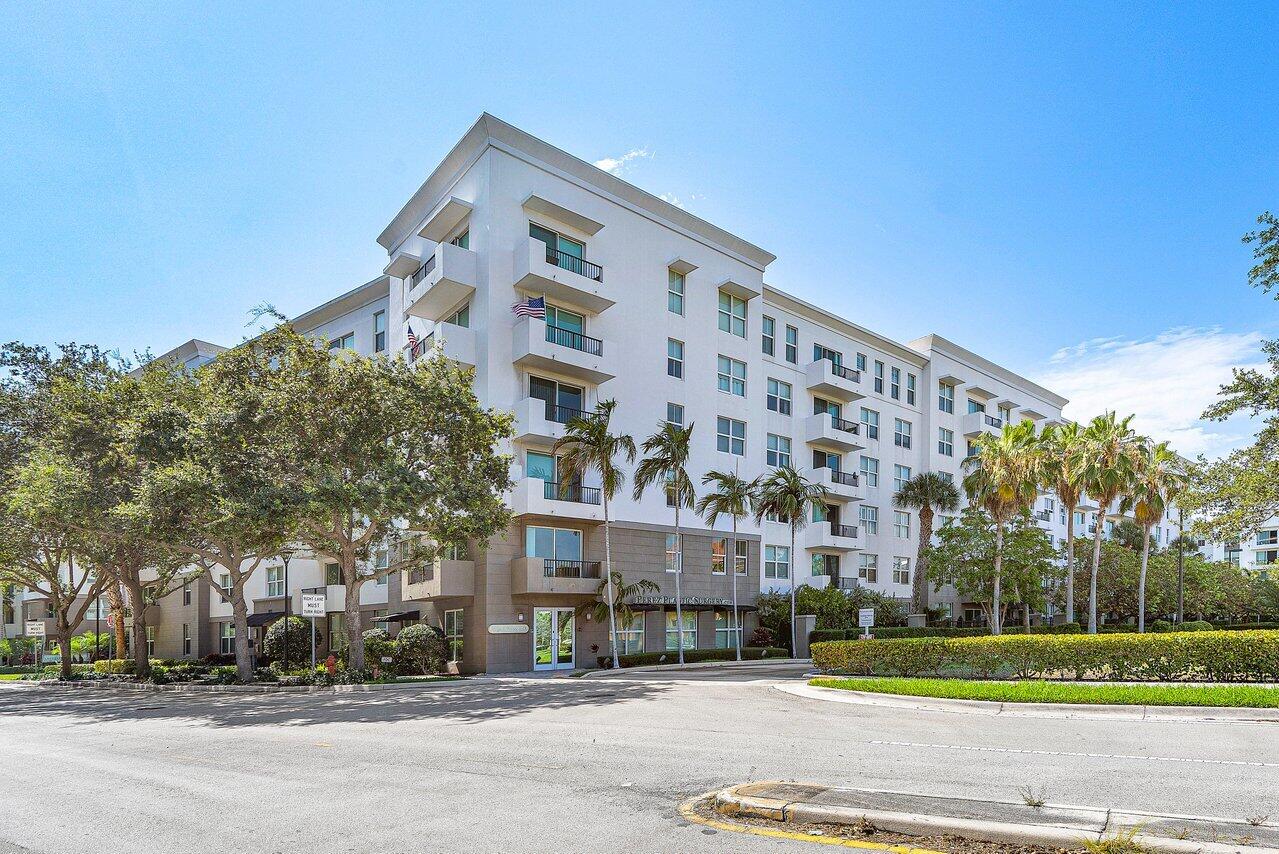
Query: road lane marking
point(978, 749)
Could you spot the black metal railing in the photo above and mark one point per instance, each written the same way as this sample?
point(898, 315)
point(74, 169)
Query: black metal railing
point(574, 264)
point(843, 530)
point(844, 373)
point(573, 492)
point(992, 421)
point(565, 414)
point(846, 426)
point(845, 478)
point(422, 272)
point(574, 340)
point(570, 568)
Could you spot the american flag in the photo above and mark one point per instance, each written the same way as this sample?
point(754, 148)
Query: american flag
point(531, 307)
point(412, 341)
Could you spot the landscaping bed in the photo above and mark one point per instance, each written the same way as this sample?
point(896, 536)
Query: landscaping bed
point(694, 656)
point(1045, 691)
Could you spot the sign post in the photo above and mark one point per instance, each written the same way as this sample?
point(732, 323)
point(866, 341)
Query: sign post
point(865, 620)
point(313, 605)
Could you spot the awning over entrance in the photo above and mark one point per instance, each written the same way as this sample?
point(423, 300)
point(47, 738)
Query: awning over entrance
point(398, 618)
point(265, 618)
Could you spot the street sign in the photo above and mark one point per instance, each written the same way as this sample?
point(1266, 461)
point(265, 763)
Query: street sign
point(35, 628)
point(865, 617)
point(313, 604)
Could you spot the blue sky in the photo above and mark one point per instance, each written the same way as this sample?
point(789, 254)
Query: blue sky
point(1061, 189)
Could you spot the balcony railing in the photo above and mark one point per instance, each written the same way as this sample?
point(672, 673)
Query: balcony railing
point(574, 340)
point(847, 583)
point(422, 272)
point(571, 492)
point(846, 426)
point(571, 568)
point(992, 421)
point(1044, 516)
point(421, 574)
point(843, 530)
point(574, 264)
point(843, 372)
point(565, 414)
point(845, 478)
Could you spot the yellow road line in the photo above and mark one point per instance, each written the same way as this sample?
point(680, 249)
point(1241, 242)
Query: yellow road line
point(687, 810)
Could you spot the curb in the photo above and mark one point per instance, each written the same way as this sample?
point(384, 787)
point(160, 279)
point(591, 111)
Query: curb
point(699, 665)
point(104, 685)
point(1173, 714)
point(731, 802)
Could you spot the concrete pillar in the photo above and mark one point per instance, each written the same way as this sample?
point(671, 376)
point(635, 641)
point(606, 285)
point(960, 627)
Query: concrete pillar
point(804, 626)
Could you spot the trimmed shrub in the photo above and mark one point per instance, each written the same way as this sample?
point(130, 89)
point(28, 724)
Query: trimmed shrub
point(820, 635)
point(692, 656)
point(896, 632)
point(419, 650)
point(1161, 626)
point(1198, 655)
point(762, 636)
point(377, 646)
point(299, 642)
point(113, 666)
point(1197, 626)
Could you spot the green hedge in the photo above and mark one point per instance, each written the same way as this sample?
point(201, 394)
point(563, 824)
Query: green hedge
point(1211, 656)
point(898, 632)
point(692, 656)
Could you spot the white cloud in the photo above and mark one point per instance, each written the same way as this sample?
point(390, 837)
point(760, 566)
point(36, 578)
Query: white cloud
point(1166, 381)
point(618, 165)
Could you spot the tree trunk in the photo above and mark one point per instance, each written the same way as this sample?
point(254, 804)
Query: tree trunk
point(115, 607)
point(354, 627)
point(792, 590)
point(64, 650)
point(737, 619)
point(996, 616)
point(919, 591)
point(240, 616)
point(1141, 580)
point(1070, 565)
point(608, 573)
point(141, 661)
point(1092, 581)
point(679, 570)
point(1025, 612)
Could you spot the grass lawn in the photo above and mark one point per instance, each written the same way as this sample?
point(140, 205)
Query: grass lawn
point(1036, 691)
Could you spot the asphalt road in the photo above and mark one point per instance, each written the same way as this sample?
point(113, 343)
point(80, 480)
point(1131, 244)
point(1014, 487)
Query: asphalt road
point(550, 765)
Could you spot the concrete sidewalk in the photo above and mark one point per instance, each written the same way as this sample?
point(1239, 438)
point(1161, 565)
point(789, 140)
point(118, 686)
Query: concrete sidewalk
point(995, 821)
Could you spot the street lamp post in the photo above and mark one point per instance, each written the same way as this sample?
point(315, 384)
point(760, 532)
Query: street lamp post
point(285, 555)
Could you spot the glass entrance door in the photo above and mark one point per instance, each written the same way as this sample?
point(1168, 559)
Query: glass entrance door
point(552, 638)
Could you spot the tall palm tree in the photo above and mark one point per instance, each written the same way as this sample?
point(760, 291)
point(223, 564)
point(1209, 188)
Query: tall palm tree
point(788, 495)
point(1003, 479)
point(926, 494)
point(1109, 463)
point(587, 445)
point(732, 498)
point(1062, 447)
point(666, 460)
point(1160, 476)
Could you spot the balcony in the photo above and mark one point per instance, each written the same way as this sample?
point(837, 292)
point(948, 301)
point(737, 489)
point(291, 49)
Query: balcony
point(1044, 516)
point(976, 423)
point(539, 346)
point(543, 271)
point(535, 575)
point(534, 497)
point(443, 282)
point(831, 537)
point(829, 431)
point(541, 422)
point(840, 486)
point(457, 343)
point(443, 579)
point(832, 381)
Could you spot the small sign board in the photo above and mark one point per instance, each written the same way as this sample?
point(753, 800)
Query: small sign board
point(35, 628)
point(508, 629)
point(386, 659)
point(865, 617)
point(314, 604)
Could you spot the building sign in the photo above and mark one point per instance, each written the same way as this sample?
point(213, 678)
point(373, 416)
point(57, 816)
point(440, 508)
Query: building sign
point(35, 628)
point(508, 629)
point(687, 600)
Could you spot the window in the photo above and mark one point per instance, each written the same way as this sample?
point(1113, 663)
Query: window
point(792, 345)
point(675, 358)
point(186, 638)
point(560, 250)
point(453, 625)
point(868, 568)
point(732, 314)
point(225, 581)
point(1261, 558)
point(868, 518)
point(274, 581)
point(552, 543)
point(833, 356)
point(827, 565)
point(895, 383)
point(674, 292)
point(630, 635)
point(226, 638)
point(779, 396)
point(777, 561)
point(946, 397)
point(719, 553)
point(379, 332)
point(732, 376)
point(910, 389)
point(150, 641)
point(186, 593)
point(675, 414)
point(332, 573)
point(901, 474)
point(730, 436)
point(673, 630)
point(870, 420)
point(901, 524)
point(901, 433)
point(860, 362)
point(778, 451)
point(945, 442)
point(1006, 414)
point(343, 342)
point(741, 550)
point(901, 570)
point(563, 402)
point(381, 562)
point(879, 376)
point(970, 448)
point(461, 317)
point(770, 335)
point(672, 552)
point(1267, 538)
point(870, 471)
point(727, 635)
point(975, 406)
point(463, 240)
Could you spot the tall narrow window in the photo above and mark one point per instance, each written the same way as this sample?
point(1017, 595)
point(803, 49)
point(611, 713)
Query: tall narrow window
point(895, 383)
point(945, 442)
point(770, 333)
point(792, 345)
point(870, 420)
point(946, 397)
point(719, 556)
point(675, 414)
point(453, 626)
point(674, 292)
point(860, 363)
point(901, 524)
point(901, 474)
point(870, 471)
point(910, 389)
point(732, 314)
point(379, 332)
point(879, 377)
point(675, 358)
point(901, 433)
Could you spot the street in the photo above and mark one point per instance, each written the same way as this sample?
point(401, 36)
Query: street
point(550, 765)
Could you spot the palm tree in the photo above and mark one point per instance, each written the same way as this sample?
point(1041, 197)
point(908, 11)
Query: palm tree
point(1109, 462)
point(732, 498)
point(1003, 479)
point(925, 493)
point(621, 594)
point(666, 457)
point(788, 495)
point(1062, 446)
point(1159, 478)
point(587, 445)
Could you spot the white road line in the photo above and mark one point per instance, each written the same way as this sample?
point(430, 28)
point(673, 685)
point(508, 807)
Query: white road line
point(977, 749)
